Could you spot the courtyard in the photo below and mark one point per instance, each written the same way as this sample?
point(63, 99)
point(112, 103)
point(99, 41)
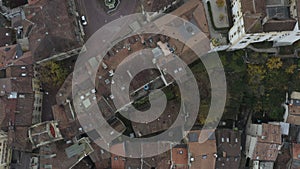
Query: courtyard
point(97, 13)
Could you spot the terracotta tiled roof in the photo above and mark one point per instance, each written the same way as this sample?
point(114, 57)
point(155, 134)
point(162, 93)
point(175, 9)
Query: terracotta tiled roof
point(203, 152)
point(194, 9)
point(22, 85)
point(160, 161)
point(7, 57)
point(180, 157)
point(294, 110)
point(265, 152)
point(275, 25)
point(117, 162)
point(6, 37)
point(296, 151)
point(23, 114)
point(293, 119)
point(7, 112)
point(254, 13)
point(54, 28)
point(7, 53)
point(18, 71)
point(20, 140)
point(229, 149)
point(68, 126)
point(270, 134)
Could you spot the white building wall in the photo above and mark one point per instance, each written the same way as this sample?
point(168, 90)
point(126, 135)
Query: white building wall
point(250, 146)
point(5, 152)
point(293, 9)
point(255, 165)
point(237, 32)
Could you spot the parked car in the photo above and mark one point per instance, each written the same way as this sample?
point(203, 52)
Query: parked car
point(83, 20)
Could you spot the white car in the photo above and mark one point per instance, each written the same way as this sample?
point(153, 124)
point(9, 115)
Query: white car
point(83, 20)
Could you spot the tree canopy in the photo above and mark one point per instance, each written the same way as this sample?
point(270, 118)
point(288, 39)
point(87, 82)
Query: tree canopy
point(53, 73)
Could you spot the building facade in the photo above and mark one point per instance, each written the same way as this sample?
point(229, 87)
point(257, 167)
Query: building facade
point(5, 151)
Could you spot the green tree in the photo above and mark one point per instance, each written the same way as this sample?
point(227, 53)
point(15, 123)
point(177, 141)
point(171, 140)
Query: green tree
point(52, 73)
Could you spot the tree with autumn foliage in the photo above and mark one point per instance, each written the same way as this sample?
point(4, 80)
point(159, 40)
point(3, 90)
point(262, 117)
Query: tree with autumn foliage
point(52, 73)
point(274, 63)
point(256, 73)
point(291, 69)
point(220, 3)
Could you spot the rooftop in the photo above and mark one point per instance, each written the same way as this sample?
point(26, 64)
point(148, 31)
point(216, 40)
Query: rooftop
point(65, 91)
point(266, 16)
point(194, 11)
point(180, 157)
point(265, 152)
point(14, 3)
point(201, 135)
point(19, 71)
point(295, 95)
point(62, 114)
point(79, 149)
point(68, 126)
point(18, 139)
point(16, 112)
point(229, 148)
point(44, 133)
point(23, 113)
point(4, 111)
point(294, 109)
point(106, 110)
point(100, 157)
point(266, 133)
point(20, 160)
point(162, 123)
point(296, 151)
point(16, 84)
point(6, 37)
point(162, 160)
point(61, 160)
point(270, 134)
point(14, 55)
point(263, 141)
point(295, 164)
point(293, 119)
point(118, 161)
point(54, 29)
point(203, 155)
point(284, 158)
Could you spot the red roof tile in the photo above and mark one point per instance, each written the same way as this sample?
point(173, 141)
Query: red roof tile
point(180, 157)
point(296, 151)
point(117, 162)
point(54, 29)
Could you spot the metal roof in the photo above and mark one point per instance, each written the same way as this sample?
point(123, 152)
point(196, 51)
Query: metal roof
point(285, 127)
point(193, 137)
point(157, 52)
point(75, 149)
